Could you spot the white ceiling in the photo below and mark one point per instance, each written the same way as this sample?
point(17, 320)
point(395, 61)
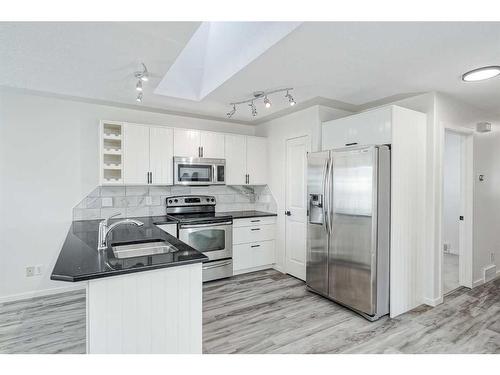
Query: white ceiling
point(353, 63)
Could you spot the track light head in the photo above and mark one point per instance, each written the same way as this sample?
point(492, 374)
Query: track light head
point(138, 86)
point(143, 74)
point(139, 97)
point(291, 101)
point(267, 102)
point(254, 110)
point(231, 112)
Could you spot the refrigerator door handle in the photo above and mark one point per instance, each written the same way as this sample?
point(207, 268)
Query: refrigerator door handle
point(330, 196)
point(325, 200)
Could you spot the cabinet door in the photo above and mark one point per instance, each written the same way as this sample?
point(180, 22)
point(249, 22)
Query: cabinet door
point(236, 160)
point(257, 160)
point(136, 154)
point(366, 128)
point(213, 145)
point(161, 155)
point(186, 142)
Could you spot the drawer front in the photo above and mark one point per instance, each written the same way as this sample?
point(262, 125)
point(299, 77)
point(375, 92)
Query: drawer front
point(254, 233)
point(253, 255)
point(254, 221)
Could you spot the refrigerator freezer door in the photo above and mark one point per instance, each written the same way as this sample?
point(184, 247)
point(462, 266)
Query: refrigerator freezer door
point(317, 228)
point(352, 252)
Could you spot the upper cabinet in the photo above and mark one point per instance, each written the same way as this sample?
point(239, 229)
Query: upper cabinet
point(257, 160)
point(138, 154)
point(236, 159)
point(365, 128)
point(194, 143)
point(187, 143)
point(246, 160)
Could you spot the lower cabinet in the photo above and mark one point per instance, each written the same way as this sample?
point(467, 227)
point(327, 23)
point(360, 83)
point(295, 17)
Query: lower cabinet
point(253, 244)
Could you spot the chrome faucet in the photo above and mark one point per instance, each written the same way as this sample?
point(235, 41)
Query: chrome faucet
point(104, 229)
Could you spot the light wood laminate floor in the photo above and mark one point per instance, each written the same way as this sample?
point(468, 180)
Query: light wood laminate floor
point(268, 312)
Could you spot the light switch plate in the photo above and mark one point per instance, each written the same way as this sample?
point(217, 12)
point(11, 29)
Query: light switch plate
point(107, 202)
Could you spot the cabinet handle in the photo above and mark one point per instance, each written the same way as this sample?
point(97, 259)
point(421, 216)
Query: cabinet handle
point(255, 246)
point(351, 144)
point(150, 177)
point(201, 151)
point(254, 221)
point(147, 177)
point(255, 229)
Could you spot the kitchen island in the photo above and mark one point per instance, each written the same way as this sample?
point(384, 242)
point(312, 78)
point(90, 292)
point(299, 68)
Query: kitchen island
point(142, 304)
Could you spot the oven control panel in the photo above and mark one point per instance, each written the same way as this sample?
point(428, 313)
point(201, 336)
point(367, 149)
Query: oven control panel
point(190, 200)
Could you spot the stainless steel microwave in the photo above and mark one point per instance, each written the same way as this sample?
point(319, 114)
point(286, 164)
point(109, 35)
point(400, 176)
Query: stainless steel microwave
point(199, 171)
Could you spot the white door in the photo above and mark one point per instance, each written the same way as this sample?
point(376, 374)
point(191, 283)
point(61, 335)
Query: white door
point(135, 154)
point(296, 205)
point(161, 153)
point(236, 159)
point(186, 143)
point(213, 145)
point(257, 160)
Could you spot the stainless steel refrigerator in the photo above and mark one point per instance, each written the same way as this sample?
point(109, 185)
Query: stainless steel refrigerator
point(348, 229)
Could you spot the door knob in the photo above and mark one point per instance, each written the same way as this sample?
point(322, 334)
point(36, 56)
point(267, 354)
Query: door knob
point(288, 213)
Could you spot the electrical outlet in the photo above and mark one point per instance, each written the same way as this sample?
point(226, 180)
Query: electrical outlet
point(38, 270)
point(492, 257)
point(30, 271)
point(107, 202)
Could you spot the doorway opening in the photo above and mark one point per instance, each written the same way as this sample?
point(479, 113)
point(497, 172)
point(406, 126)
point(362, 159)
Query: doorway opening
point(457, 211)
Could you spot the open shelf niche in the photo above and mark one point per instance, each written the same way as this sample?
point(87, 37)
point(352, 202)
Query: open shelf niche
point(111, 153)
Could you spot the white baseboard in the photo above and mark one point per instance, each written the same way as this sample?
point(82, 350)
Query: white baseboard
point(44, 292)
point(432, 301)
point(279, 268)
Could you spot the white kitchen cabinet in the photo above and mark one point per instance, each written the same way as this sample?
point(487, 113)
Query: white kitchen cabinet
point(236, 159)
point(147, 155)
point(194, 143)
point(366, 128)
point(212, 145)
point(257, 160)
point(161, 155)
point(187, 143)
point(136, 154)
point(253, 244)
point(246, 160)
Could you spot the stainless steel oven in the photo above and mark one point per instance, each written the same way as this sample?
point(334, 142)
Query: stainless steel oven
point(199, 171)
point(215, 240)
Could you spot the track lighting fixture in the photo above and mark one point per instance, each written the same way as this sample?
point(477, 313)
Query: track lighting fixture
point(142, 76)
point(254, 110)
point(291, 101)
point(231, 112)
point(257, 95)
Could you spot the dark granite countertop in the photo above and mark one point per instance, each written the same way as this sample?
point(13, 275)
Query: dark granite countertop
point(245, 214)
point(79, 259)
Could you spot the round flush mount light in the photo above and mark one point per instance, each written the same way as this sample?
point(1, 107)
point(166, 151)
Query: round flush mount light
point(481, 74)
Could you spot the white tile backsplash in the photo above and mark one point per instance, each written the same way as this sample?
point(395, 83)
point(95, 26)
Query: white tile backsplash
point(131, 201)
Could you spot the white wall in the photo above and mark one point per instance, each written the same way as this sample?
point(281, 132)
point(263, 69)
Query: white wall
point(305, 122)
point(486, 201)
point(452, 183)
point(48, 163)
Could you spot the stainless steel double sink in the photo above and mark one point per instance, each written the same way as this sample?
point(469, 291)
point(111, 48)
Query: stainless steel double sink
point(139, 249)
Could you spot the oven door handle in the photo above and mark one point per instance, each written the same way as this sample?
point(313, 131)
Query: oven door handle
point(189, 226)
point(217, 265)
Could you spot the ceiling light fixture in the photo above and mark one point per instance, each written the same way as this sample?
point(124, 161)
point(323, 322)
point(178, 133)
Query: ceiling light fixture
point(291, 101)
point(231, 112)
point(143, 74)
point(257, 95)
point(481, 74)
point(267, 102)
point(254, 110)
